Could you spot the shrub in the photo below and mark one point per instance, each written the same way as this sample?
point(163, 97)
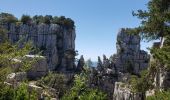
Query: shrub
point(164, 95)
point(80, 91)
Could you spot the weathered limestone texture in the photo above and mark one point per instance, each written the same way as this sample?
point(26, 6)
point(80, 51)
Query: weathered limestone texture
point(56, 42)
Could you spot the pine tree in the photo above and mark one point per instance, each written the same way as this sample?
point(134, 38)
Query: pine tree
point(154, 21)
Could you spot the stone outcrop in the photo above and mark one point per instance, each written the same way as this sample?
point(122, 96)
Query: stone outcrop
point(56, 42)
point(129, 56)
point(80, 64)
point(119, 67)
point(16, 77)
point(37, 65)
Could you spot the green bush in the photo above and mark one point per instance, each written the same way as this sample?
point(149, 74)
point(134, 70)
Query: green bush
point(6, 92)
point(22, 93)
point(142, 83)
point(80, 91)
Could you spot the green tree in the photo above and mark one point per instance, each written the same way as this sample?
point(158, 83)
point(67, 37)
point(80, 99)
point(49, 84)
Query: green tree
point(142, 83)
point(155, 20)
point(38, 19)
point(48, 19)
point(7, 18)
point(26, 19)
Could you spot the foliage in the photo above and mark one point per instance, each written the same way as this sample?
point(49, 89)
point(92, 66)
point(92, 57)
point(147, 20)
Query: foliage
point(55, 81)
point(25, 19)
point(47, 19)
point(66, 22)
point(160, 95)
point(80, 91)
point(7, 18)
point(38, 19)
point(6, 92)
point(8, 53)
point(142, 83)
point(163, 54)
point(22, 93)
point(153, 20)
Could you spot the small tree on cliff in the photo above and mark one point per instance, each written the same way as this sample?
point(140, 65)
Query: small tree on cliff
point(25, 19)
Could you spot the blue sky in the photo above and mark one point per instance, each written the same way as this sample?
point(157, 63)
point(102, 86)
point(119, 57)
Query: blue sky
point(97, 21)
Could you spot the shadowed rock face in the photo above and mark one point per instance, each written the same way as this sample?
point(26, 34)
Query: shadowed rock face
point(56, 42)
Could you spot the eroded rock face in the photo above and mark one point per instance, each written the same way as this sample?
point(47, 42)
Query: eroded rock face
point(56, 42)
point(119, 67)
point(129, 56)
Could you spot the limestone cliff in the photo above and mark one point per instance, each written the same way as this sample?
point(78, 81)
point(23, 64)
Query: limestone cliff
point(56, 42)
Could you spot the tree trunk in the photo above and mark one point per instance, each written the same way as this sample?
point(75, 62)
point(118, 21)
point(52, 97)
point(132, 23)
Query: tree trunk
point(162, 42)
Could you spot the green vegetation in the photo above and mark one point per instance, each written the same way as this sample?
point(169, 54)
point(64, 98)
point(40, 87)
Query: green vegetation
point(38, 19)
point(7, 53)
point(160, 95)
point(22, 93)
point(25, 19)
point(142, 83)
point(7, 18)
point(55, 81)
point(153, 20)
point(154, 25)
point(80, 91)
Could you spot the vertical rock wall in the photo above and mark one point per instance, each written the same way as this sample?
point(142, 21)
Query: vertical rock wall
point(129, 56)
point(56, 42)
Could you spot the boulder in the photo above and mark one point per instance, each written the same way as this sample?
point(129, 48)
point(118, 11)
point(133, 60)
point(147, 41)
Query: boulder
point(39, 66)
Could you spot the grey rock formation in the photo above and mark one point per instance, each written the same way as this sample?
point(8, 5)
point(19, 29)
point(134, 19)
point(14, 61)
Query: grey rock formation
point(39, 66)
point(16, 77)
point(122, 92)
point(119, 67)
point(129, 56)
point(80, 64)
point(56, 42)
